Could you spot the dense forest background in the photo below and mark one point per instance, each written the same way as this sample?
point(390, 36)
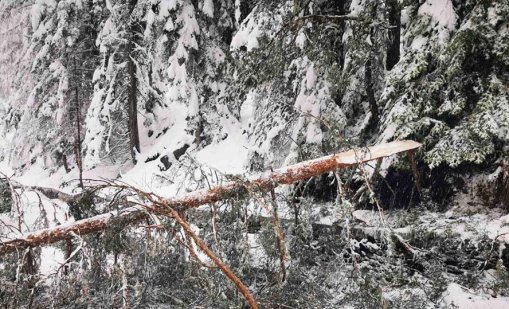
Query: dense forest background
point(170, 96)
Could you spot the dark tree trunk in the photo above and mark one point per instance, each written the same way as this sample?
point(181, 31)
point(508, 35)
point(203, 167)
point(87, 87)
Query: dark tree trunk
point(370, 92)
point(78, 124)
point(132, 99)
point(134, 139)
point(393, 55)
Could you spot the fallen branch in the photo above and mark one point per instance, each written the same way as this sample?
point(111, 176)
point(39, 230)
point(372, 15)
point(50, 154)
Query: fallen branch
point(220, 264)
point(52, 193)
point(264, 182)
point(281, 247)
point(326, 18)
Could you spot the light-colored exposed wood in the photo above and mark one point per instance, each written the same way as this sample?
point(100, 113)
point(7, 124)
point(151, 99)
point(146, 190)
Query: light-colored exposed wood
point(264, 182)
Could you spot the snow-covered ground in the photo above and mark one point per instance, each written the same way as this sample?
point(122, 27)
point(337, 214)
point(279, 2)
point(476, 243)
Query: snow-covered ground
point(460, 297)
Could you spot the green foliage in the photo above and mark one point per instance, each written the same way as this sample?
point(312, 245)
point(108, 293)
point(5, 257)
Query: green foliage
point(455, 99)
point(6, 200)
point(83, 206)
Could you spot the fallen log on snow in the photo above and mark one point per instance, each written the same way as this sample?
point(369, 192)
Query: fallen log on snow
point(263, 182)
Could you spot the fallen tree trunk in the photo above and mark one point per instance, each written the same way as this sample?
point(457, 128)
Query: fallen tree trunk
point(264, 182)
point(69, 230)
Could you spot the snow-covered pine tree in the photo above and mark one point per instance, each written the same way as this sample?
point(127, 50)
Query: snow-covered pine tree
point(59, 55)
point(13, 39)
point(281, 107)
point(112, 119)
point(449, 89)
point(185, 70)
point(176, 77)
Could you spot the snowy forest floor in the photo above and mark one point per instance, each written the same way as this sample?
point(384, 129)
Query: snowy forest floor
point(404, 258)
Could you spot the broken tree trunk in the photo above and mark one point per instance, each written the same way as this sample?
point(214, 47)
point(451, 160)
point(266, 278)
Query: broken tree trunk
point(264, 182)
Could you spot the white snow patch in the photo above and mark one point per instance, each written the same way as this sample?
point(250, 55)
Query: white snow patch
point(418, 43)
point(310, 78)
point(463, 298)
point(356, 7)
point(199, 254)
point(443, 15)
point(442, 11)
point(227, 156)
point(247, 110)
point(300, 40)
point(258, 257)
point(51, 259)
point(208, 8)
point(247, 36)
point(259, 22)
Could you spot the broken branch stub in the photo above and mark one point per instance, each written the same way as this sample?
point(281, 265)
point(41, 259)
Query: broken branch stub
point(264, 182)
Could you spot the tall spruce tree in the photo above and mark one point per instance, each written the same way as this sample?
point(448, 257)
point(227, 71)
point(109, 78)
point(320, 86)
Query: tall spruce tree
point(59, 56)
point(112, 119)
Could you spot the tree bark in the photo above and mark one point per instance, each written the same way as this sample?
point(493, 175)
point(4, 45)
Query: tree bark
point(370, 92)
point(134, 139)
point(393, 55)
point(132, 97)
point(67, 231)
point(264, 182)
point(77, 153)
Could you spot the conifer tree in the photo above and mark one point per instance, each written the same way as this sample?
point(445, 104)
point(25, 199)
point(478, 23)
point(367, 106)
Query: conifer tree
point(112, 119)
point(59, 55)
